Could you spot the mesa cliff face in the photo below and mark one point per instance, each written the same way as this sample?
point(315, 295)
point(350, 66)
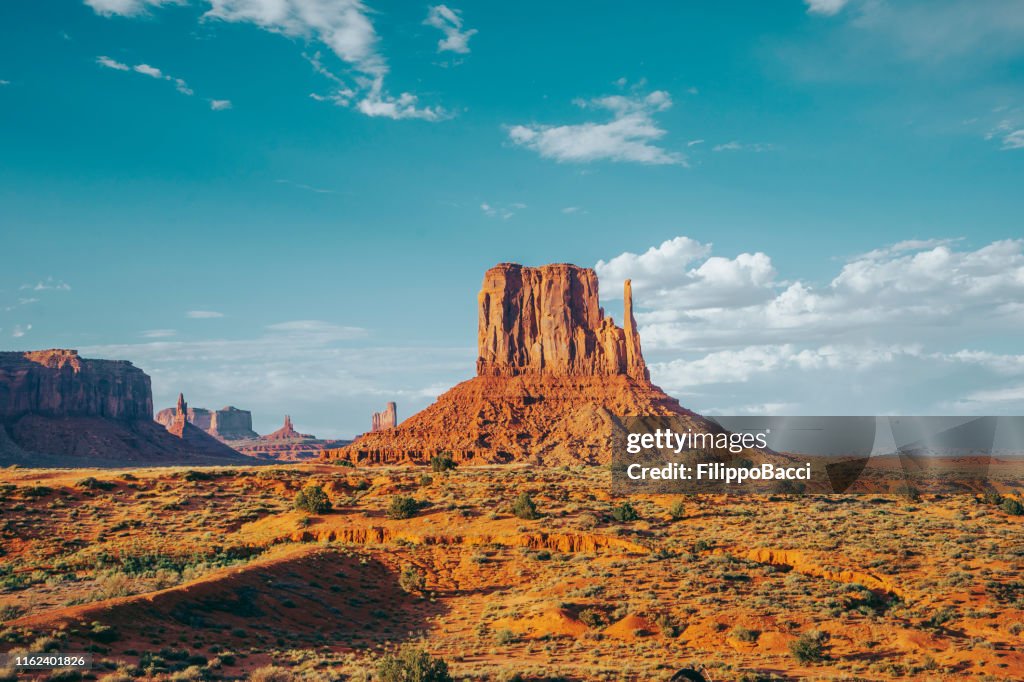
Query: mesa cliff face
point(554, 377)
point(59, 409)
point(547, 321)
point(60, 383)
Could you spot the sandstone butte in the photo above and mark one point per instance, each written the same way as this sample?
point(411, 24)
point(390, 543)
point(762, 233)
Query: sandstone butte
point(386, 419)
point(226, 424)
point(287, 445)
point(554, 378)
point(59, 409)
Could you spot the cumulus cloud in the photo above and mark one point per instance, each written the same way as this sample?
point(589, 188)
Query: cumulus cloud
point(913, 326)
point(632, 134)
point(203, 314)
point(158, 333)
point(20, 330)
point(220, 104)
point(449, 22)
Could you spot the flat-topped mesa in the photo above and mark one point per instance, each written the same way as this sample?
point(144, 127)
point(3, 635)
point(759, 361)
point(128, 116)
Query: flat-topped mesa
point(547, 321)
point(60, 383)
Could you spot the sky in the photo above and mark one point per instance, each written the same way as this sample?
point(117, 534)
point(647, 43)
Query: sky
point(288, 205)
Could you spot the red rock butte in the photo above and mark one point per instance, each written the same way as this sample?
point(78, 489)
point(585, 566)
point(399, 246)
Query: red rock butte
point(60, 409)
point(554, 377)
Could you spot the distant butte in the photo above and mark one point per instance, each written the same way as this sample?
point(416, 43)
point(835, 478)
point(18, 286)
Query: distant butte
point(554, 375)
point(60, 409)
point(386, 419)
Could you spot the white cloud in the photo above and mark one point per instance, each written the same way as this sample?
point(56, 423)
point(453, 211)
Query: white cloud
point(449, 22)
point(736, 146)
point(1014, 140)
point(503, 212)
point(825, 7)
point(20, 331)
point(146, 70)
point(112, 63)
point(4, 82)
point(220, 104)
point(376, 102)
point(908, 327)
point(344, 26)
point(49, 284)
point(203, 314)
point(158, 333)
point(127, 8)
point(632, 134)
point(570, 210)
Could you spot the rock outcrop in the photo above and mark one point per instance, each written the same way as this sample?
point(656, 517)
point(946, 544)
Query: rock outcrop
point(386, 419)
point(226, 424)
point(554, 378)
point(59, 409)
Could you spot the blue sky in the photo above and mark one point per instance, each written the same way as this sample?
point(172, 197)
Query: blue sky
point(288, 205)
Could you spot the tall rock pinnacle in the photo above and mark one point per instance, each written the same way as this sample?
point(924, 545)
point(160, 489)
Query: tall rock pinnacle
point(635, 365)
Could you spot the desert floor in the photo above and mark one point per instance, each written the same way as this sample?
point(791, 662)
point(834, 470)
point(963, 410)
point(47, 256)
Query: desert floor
point(212, 574)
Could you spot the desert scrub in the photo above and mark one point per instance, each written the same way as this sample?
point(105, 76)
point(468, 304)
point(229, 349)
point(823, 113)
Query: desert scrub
point(412, 664)
point(313, 499)
point(524, 507)
point(809, 647)
point(625, 512)
point(412, 579)
point(403, 507)
point(442, 462)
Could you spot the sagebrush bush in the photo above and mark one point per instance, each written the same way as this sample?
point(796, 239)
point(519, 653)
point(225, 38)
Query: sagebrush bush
point(403, 507)
point(442, 462)
point(524, 507)
point(625, 512)
point(809, 647)
point(411, 664)
point(412, 579)
point(313, 499)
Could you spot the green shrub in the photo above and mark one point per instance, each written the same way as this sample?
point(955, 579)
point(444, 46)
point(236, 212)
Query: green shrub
point(745, 634)
point(809, 647)
point(103, 633)
point(412, 579)
point(91, 483)
point(1012, 506)
point(442, 462)
point(413, 665)
point(524, 507)
point(402, 507)
point(625, 512)
point(313, 499)
point(677, 511)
